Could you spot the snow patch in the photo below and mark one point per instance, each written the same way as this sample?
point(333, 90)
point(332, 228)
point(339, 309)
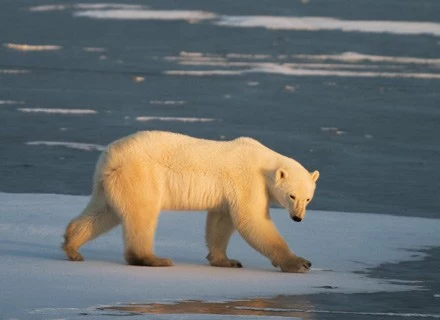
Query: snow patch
point(329, 23)
point(286, 69)
point(70, 145)
point(359, 57)
point(310, 66)
point(139, 12)
point(168, 102)
point(203, 73)
point(14, 71)
point(178, 119)
point(250, 56)
point(212, 61)
point(94, 49)
point(289, 71)
point(57, 111)
point(190, 54)
point(49, 7)
point(143, 14)
point(31, 47)
point(92, 6)
point(333, 130)
point(10, 102)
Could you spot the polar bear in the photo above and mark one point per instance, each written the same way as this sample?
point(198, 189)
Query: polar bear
point(235, 181)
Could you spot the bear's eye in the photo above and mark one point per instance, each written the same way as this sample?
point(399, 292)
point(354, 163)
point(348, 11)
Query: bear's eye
point(308, 199)
point(292, 197)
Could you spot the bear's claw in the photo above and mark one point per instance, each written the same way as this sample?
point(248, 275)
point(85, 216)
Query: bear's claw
point(235, 264)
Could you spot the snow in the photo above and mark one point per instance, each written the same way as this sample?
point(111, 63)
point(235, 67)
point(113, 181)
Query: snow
point(68, 144)
point(354, 65)
point(125, 12)
point(330, 23)
point(142, 14)
point(37, 282)
point(138, 12)
point(285, 69)
point(14, 71)
point(84, 6)
point(57, 111)
point(289, 70)
point(7, 102)
point(360, 57)
point(168, 102)
point(203, 73)
point(247, 56)
point(94, 49)
point(178, 119)
point(30, 47)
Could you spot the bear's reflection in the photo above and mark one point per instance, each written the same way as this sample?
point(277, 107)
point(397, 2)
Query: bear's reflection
point(281, 306)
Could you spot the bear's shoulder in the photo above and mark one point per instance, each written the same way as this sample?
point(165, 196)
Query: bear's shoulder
point(247, 141)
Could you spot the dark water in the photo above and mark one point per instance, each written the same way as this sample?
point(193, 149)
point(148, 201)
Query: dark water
point(386, 161)
point(375, 139)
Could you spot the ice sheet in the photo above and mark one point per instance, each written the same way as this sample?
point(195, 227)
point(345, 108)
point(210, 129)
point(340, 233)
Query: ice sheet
point(34, 274)
point(330, 23)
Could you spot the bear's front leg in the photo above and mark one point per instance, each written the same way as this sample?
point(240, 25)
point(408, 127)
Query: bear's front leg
point(294, 264)
point(219, 229)
point(258, 230)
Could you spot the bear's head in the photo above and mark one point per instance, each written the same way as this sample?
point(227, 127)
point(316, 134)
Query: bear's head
point(294, 189)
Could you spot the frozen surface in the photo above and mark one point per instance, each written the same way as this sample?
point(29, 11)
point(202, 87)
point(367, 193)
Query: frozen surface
point(67, 144)
point(288, 70)
point(39, 283)
point(147, 14)
point(304, 23)
point(330, 23)
point(8, 102)
point(346, 65)
point(180, 119)
point(28, 47)
point(57, 111)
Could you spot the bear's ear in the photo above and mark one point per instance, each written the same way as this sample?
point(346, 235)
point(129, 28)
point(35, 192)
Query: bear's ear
point(315, 175)
point(280, 174)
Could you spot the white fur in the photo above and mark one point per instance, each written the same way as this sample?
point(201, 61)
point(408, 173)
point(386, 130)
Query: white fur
point(235, 181)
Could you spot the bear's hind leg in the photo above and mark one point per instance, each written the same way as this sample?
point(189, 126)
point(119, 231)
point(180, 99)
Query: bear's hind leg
point(219, 229)
point(96, 219)
point(133, 193)
point(139, 231)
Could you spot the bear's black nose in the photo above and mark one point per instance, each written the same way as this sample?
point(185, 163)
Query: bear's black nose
point(296, 219)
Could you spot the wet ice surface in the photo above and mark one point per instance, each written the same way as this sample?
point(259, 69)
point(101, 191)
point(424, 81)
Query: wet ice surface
point(282, 306)
point(343, 247)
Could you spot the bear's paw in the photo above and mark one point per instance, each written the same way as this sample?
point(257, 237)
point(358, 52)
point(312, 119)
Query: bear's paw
point(224, 262)
point(295, 265)
point(147, 261)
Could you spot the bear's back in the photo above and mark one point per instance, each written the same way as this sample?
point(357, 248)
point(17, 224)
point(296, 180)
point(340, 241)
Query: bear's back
point(182, 152)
